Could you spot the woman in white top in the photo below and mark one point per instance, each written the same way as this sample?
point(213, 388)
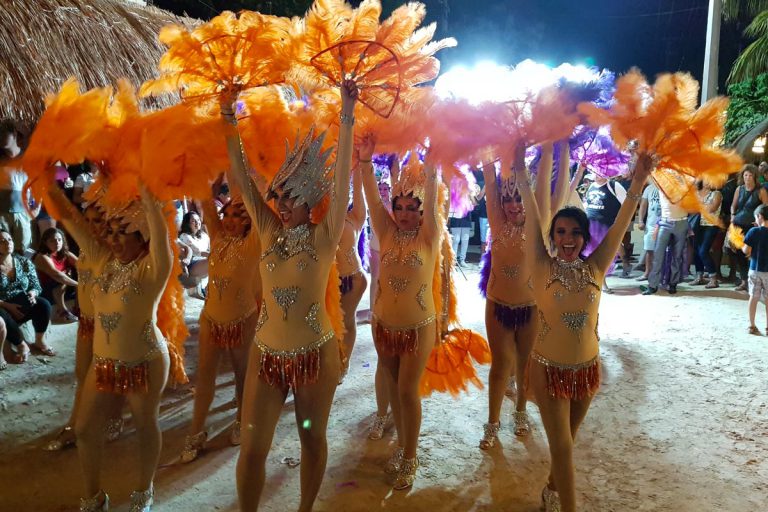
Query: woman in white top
point(198, 244)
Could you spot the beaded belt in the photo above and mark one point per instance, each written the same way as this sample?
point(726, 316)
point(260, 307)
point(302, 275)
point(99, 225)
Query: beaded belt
point(85, 328)
point(297, 367)
point(398, 340)
point(570, 381)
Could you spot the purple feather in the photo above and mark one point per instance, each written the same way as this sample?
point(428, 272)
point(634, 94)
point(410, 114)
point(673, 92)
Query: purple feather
point(364, 250)
point(485, 272)
point(461, 204)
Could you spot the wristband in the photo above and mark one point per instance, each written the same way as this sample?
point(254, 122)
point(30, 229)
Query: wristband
point(635, 196)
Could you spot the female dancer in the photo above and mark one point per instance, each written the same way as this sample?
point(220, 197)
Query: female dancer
point(565, 365)
point(86, 273)
point(404, 310)
point(228, 319)
point(353, 281)
point(130, 356)
point(291, 348)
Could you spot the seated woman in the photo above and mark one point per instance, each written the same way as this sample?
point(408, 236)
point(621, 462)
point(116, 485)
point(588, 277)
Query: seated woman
point(195, 265)
point(20, 300)
point(55, 268)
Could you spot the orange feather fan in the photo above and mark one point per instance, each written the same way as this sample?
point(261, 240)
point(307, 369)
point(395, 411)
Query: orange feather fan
point(735, 237)
point(664, 121)
point(229, 53)
point(449, 367)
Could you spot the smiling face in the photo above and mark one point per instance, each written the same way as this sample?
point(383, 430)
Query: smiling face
point(195, 225)
point(384, 192)
point(290, 214)
point(235, 220)
point(568, 238)
point(126, 247)
point(407, 212)
point(513, 209)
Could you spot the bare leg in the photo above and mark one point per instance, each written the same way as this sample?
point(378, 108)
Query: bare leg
point(502, 343)
point(89, 427)
point(313, 406)
point(262, 405)
point(349, 303)
point(391, 370)
point(83, 357)
point(58, 298)
point(753, 309)
point(205, 381)
point(239, 358)
point(525, 338)
point(408, 379)
point(382, 395)
point(145, 410)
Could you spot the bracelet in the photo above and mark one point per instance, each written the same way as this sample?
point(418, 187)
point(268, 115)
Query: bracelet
point(635, 196)
point(347, 119)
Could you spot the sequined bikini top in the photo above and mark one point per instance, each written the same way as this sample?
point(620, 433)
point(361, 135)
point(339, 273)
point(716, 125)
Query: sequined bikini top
point(292, 241)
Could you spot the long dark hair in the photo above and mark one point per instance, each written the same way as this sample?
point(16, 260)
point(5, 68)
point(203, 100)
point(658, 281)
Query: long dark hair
point(571, 212)
point(185, 227)
point(47, 235)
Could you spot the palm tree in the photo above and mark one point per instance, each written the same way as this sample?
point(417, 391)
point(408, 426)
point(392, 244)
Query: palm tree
point(736, 9)
point(754, 59)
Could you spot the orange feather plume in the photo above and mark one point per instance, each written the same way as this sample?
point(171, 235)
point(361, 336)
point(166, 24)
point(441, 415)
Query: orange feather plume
point(229, 53)
point(735, 237)
point(666, 124)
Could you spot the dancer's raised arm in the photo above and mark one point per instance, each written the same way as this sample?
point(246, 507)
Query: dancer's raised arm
point(357, 213)
point(380, 218)
point(492, 196)
point(431, 217)
point(562, 181)
point(543, 192)
point(159, 245)
point(340, 194)
point(72, 219)
point(606, 251)
point(533, 227)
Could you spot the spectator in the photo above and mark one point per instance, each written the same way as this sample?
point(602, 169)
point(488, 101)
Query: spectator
point(195, 265)
point(602, 201)
point(3, 333)
point(55, 267)
point(460, 227)
point(83, 181)
point(728, 191)
point(756, 248)
point(650, 213)
point(704, 236)
point(13, 212)
point(481, 210)
point(20, 300)
point(673, 230)
point(745, 200)
point(762, 172)
point(222, 198)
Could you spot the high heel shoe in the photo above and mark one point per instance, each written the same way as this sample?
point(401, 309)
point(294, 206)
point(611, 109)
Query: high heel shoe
point(407, 474)
point(193, 445)
point(96, 503)
point(64, 439)
point(393, 464)
point(489, 437)
point(141, 501)
point(550, 499)
point(377, 428)
point(522, 425)
point(114, 428)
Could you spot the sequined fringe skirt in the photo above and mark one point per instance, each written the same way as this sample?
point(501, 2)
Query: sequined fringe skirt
point(291, 368)
point(119, 377)
point(572, 382)
point(229, 334)
point(85, 327)
point(398, 341)
point(512, 318)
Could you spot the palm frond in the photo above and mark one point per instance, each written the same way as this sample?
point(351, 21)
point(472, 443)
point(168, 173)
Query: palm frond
point(752, 62)
point(759, 25)
point(734, 9)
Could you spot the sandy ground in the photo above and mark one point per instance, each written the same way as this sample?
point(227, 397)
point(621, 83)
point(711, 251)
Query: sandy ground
point(680, 424)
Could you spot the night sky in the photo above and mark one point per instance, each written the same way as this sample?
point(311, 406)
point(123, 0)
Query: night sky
point(654, 35)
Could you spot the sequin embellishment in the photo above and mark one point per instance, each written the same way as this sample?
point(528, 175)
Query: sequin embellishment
point(312, 320)
point(285, 298)
point(270, 266)
point(575, 321)
point(398, 284)
point(420, 297)
point(575, 275)
point(543, 327)
point(109, 322)
point(511, 271)
point(511, 235)
point(292, 241)
point(221, 284)
point(263, 317)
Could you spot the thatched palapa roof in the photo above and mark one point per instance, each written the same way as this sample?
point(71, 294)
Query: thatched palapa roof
point(45, 42)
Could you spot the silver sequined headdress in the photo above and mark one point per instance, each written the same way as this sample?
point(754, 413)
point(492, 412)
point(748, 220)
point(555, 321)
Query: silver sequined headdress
point(305, 174)
point(508, 186)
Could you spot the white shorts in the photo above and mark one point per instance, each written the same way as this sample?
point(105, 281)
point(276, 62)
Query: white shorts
point(758, 284)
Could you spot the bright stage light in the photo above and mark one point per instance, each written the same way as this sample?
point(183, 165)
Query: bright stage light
point(488, 81)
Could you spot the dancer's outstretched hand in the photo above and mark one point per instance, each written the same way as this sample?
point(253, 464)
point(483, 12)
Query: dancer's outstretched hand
point(349, 94)
point(366, 147)
point(643, 167)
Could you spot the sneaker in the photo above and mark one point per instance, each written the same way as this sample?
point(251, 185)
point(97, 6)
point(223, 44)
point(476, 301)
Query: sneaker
point(648, 290)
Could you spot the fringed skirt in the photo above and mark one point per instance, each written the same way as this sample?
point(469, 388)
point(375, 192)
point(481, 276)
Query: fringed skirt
point(228, 334)
point(291, 368)
point(119, 377)
point(396, 341)
point(85, 327)
point(570, 381)
point(513, 318)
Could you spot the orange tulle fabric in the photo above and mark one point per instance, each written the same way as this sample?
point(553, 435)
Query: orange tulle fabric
point(666, 124)
point(228, 53)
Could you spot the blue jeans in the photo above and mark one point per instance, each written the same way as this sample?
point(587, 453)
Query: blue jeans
point(703, 239)
point(670, 233)
point(483, 221)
